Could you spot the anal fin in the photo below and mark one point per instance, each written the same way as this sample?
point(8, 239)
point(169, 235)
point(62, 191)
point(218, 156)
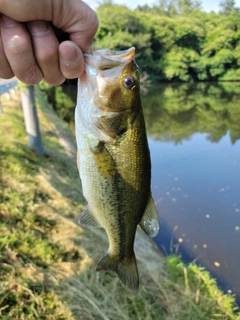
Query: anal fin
point(149, 222)
point(88, 218)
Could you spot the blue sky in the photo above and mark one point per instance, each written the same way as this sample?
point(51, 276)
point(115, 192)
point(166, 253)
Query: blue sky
point(208, 5)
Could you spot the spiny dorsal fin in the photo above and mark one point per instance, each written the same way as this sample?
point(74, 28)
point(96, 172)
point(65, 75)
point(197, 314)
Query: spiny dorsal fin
point(149, 222)
point(88, 218)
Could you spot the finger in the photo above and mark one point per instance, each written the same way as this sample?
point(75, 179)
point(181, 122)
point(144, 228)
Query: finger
point(73, 17)
point(45, 45)
point(71, 60)
point(81, 24)
point(5, 69)
point(17, 47)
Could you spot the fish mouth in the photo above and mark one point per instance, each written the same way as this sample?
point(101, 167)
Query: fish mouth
point(109, 59)
point(124, 55)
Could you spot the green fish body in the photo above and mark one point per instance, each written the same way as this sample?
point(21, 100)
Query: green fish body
point(113, 158)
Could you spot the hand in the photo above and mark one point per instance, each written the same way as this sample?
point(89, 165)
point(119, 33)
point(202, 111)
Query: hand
point(30, 32)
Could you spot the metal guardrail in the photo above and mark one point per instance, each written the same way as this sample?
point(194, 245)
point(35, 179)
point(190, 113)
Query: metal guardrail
point(6, 86)
point(29, 112)
point(31, 119)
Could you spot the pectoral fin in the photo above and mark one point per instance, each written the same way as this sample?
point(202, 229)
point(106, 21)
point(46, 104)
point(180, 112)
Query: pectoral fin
point(115, 125)
point(149, 222)
point(104, 161)
point(88, 218)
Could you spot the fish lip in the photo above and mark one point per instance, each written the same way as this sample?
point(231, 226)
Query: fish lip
point(124, 54)
point(108, 59)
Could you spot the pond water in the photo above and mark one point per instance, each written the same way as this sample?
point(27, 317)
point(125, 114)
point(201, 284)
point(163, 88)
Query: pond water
point(194, 140)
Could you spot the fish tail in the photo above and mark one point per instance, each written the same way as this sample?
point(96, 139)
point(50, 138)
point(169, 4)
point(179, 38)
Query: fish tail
point(125, 268)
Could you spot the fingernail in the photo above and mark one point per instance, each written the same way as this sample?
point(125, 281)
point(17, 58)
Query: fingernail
point(38, 28)
point(69, 56)
point(8, 21)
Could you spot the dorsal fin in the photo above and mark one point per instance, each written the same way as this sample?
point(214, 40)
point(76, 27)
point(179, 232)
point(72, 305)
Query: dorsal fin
point(149, 222)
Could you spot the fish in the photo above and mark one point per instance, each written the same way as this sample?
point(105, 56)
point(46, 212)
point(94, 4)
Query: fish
point(114, 159)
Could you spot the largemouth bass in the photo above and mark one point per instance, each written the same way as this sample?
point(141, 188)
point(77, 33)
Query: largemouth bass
point(113, 158)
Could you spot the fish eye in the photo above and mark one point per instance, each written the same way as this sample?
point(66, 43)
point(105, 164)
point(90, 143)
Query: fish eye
point(129, 83)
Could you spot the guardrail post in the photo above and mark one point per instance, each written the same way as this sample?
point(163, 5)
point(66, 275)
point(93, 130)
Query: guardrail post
point(31, 119)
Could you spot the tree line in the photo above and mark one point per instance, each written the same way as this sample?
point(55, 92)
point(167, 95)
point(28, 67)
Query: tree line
point(175, 40)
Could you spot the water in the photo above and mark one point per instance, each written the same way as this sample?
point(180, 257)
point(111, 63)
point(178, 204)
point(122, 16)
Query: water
point(195, 151)
point(194, 140)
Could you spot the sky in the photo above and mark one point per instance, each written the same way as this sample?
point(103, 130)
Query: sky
point(207, 5)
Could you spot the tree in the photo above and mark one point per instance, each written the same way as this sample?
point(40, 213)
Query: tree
point(227, 6)
point(174, 39)
point(186, 7)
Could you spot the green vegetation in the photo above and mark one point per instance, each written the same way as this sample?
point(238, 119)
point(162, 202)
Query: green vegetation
point(62, 98)
point(175, 40)
point(47, 261)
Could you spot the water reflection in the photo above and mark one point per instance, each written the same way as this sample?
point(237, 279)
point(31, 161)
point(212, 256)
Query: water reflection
point(175, 112)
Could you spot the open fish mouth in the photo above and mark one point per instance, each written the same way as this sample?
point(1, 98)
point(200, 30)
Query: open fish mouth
point(99, 86)
point(124, 55)
point(104, 59)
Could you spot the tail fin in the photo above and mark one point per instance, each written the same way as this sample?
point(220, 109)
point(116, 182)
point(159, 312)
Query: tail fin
point(126, 270)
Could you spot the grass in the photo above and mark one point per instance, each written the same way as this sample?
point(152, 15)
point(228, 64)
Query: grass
point(47, 261)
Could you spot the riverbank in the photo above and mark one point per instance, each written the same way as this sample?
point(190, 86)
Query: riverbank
point(47, 261)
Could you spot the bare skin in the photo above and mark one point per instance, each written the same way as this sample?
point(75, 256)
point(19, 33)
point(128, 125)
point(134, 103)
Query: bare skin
point(45, 39)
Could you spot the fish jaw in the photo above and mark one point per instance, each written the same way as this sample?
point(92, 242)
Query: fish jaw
point(104, 66)
point(105, 59)
point(103, 72)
